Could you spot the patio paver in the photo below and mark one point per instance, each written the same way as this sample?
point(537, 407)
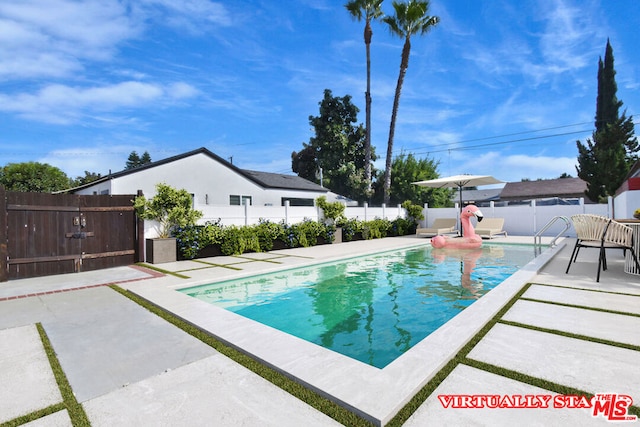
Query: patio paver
point(29, 383)
point(588, 366)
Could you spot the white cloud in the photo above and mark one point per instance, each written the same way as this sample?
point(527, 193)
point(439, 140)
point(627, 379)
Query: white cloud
point(181, 90)
point(63, 104)
point(514, 168)
point(189, 15)
point(52, 38)
point(99, 159)
point(569, 33)
point(56, 38)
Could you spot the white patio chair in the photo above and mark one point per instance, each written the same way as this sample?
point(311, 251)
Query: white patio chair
point(599, 232)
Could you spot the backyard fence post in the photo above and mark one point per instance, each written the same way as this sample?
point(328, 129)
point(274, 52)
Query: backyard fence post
point(4, 251)
point(286, 212)
point(384, 208)
point(535, 216)
point(610, 207)
point(366, 205)
point(140, 244)
point(400, 212)
point(246, 212)
point(425, 214)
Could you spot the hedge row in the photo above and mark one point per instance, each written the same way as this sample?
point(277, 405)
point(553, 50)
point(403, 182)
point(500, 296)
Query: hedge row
point(235, 240)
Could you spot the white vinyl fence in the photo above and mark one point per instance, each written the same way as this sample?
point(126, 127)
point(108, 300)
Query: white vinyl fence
point(519, 220)
point(525, 220)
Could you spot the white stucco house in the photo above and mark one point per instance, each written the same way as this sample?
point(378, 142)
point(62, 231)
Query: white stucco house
point(212, 181)
point(627, 197)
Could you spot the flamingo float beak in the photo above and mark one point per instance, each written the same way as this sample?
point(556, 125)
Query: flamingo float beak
point(478, 215)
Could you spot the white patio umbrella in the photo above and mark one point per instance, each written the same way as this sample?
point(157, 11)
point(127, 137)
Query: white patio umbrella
point(459, 181)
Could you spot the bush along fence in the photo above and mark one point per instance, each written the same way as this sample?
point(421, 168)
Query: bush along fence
point(213, 238)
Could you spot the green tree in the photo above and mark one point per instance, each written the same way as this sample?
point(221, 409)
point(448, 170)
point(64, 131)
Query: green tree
point(608, 155)
point(305, 164)
point(87, 178)
point(410, 18)
point(607, 103)
point(406, 170)
point(33, 176)
point(145, 158)
point(170, 207)
point(369, 10)
point(134, 160)
point(337, 149)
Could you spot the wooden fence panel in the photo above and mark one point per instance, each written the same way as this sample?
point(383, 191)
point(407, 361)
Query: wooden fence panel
point(112, 221)
point(63, 233)
point(37, 225)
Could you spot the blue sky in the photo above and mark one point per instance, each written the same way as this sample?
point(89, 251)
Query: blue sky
point(501, 87)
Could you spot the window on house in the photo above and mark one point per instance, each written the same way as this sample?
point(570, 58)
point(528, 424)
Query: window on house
point(297, 201)
point(239, 200)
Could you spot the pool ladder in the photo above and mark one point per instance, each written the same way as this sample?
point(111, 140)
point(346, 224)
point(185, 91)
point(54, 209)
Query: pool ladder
point(537, 239)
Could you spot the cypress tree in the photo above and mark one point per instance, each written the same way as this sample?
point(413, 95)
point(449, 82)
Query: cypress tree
point(607, 104)
point(608, 156)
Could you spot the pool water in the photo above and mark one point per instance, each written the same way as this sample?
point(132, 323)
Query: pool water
point(371, 308)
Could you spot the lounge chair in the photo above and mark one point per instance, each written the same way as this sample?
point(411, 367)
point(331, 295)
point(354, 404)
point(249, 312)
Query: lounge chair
point(490, 227)
point(599, 232)
point(439, 226)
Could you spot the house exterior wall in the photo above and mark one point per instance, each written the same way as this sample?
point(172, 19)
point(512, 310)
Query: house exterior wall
point(101, 188)
point(208, 180)
point(625, 203)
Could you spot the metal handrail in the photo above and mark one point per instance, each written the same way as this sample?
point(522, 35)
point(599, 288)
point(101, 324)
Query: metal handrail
point(537, 239)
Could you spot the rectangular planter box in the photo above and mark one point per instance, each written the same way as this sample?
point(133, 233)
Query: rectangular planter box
point(161, 250)
point(338, 236)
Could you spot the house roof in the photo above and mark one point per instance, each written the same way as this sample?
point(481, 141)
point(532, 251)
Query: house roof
point(276, 180)
point(527, 190)
point(477, 196)
point(263, 179)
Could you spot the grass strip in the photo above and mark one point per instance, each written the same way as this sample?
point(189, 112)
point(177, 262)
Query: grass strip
point(213, 264)
point(587, 289)
point(572, 335)
point(536, 382)
point(328, 407)
point(403, 415)
point(160, 270)
point(527, 379)
point(583, 307)
point(75, 409)
point(34, 415)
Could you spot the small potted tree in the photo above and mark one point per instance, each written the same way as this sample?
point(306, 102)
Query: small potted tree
point(170, 208)
point(333, 213)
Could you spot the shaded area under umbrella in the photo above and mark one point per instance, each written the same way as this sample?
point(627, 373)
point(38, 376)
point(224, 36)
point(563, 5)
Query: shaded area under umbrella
point(459, 181)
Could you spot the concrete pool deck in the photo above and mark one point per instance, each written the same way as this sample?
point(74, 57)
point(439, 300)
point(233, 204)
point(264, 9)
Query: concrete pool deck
point(127, 366)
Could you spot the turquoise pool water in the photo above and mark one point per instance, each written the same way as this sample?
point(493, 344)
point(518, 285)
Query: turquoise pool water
point(372, 308)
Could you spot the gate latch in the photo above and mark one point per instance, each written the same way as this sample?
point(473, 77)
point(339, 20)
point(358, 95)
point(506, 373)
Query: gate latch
point(80, 235)
point(80, 221)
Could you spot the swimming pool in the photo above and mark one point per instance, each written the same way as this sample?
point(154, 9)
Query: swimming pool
point(373, 308)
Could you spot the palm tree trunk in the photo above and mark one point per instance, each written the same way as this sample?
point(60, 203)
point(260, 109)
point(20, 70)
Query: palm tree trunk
point(404, 64)
point(367, 142)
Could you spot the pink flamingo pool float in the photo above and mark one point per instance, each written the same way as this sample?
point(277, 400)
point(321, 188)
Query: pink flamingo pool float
point(469, 240)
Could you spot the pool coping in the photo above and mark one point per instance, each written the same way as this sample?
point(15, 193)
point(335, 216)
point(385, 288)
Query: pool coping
point(375, 394)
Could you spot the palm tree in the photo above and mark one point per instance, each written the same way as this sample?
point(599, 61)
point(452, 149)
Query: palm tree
point(410, 18)
point(370, 9)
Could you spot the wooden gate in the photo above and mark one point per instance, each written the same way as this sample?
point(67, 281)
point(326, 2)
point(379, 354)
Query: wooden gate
point(49, 234)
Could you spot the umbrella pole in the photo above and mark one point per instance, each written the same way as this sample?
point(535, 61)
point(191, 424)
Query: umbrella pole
point(460, 213)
